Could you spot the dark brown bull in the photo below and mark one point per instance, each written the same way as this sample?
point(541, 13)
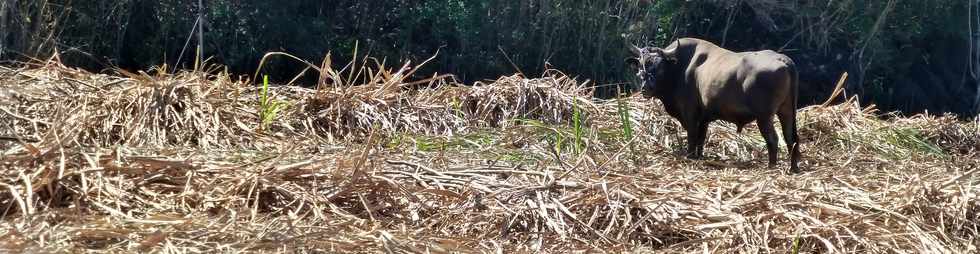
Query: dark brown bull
point(699, 82)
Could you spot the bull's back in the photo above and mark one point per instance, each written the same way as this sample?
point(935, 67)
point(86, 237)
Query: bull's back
point(740, 87)
point(768, 80)
point(771, 70)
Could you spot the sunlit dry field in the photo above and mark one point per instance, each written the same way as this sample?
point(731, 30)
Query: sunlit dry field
point(369, 161)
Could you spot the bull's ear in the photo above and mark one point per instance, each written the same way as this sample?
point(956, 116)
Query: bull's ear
point(633, 62)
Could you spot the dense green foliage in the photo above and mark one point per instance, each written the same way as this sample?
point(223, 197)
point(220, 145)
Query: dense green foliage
point(903, 55)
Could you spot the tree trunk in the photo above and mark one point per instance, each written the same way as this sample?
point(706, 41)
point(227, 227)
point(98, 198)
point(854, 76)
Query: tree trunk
point(4, 30)
point(33, 36)
point(973, 58)
point(200, 35)
point(976, 51)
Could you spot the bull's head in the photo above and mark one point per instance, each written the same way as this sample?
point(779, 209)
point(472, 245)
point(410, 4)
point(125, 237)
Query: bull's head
point(652, 64)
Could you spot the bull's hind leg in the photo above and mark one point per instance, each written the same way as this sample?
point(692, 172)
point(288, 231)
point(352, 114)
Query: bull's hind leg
point(772, 141)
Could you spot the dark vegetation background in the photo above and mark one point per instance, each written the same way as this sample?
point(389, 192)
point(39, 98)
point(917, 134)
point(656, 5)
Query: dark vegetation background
point(907, 55)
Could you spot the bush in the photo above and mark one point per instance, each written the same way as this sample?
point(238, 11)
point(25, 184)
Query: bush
point(903, 55)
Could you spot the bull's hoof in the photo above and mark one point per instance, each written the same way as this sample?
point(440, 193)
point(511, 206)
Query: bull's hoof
point(794, 170)
point(695, 156)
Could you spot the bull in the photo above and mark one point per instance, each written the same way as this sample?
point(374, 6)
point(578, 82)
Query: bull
point(700, 82)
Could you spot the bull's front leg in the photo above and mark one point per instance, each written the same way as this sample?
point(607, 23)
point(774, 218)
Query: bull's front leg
point(701, 138)
point(692, 144)
point(695, 140)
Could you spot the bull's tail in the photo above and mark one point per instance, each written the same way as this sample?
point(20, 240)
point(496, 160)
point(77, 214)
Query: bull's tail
point(787, 117)
point(795, 156)
point(796, 137)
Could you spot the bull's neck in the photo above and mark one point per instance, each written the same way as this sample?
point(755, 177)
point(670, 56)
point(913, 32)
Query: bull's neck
point(680, 103)
point(671, 104)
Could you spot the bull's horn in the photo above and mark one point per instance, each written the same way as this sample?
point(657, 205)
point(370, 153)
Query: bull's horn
point(633, 48)
point(656, 50)
point(670, 53)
